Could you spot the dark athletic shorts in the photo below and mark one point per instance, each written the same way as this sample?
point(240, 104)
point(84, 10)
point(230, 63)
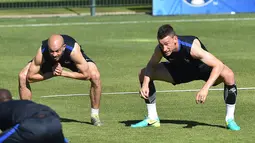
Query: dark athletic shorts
point(186, 73)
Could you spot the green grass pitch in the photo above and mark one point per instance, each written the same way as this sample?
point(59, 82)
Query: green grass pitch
point(120, 51)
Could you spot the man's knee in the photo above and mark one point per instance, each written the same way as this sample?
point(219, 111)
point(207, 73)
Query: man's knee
point(95, 75)
point(228, 76)
point(23, 77)
point(95, 78)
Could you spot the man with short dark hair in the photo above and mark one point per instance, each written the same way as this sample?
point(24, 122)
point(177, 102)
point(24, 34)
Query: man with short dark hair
point(24, 121)
point(188, 60)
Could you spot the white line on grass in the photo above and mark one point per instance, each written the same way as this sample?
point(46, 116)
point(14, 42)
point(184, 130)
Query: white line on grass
point(162, 91)
point(126, 22)
point(131, 40)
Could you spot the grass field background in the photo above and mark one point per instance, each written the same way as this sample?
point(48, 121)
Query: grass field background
point(120, 51)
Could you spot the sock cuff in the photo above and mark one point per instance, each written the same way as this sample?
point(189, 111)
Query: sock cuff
point(94, 111)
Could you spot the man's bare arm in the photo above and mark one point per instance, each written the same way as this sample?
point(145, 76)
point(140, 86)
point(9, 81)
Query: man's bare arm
point(155, 59)
point(208, 59)
point(80, 63)
point(34, 74)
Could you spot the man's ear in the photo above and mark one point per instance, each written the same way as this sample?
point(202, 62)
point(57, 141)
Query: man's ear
point(64, 45)
point(175, 38)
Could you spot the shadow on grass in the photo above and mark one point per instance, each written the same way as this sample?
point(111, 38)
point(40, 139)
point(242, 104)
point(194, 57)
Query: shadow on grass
point(73, 120)
point(188, 124)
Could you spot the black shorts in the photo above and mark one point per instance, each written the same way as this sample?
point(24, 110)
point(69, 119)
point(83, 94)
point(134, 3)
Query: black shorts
point(185, 73)
point(43, 127)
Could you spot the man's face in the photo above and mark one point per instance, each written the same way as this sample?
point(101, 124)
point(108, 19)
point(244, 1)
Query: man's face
point(168, 44)
point(56, 51)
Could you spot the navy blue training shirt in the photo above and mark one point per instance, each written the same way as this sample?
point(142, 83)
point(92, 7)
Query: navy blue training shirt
point(15, 111)
point(182, 56)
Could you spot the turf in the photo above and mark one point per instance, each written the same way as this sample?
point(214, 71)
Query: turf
point(120, 51)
